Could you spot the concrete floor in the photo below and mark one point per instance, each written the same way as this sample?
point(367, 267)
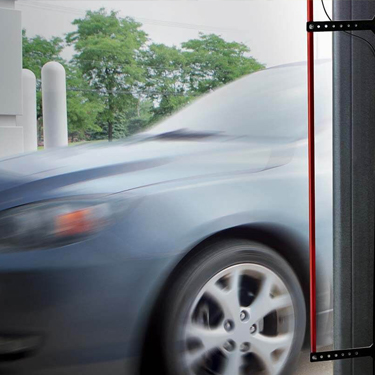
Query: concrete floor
point(307, 368)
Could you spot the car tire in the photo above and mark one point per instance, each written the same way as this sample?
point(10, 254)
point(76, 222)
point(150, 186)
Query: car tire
point(201, 302)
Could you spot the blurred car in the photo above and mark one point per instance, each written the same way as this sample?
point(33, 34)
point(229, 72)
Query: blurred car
point(182, 250)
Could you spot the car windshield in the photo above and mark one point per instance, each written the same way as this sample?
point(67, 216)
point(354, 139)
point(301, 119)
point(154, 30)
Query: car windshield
point(270, 104)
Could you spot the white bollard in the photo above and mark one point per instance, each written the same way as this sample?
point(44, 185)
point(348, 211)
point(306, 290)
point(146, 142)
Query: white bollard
point(28, 118)
point(55, 122)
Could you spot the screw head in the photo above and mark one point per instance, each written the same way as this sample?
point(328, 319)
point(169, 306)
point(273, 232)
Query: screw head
point(311, 27)
point(228, 325)
point(245, 347)
point(244, 316)
point(253, 329)
point(229, 345)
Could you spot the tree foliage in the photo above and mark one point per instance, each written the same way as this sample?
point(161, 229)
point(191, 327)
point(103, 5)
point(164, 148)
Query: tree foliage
point(166, 79)
point(38, 51)
point(213, 62)
point(119, 82)
point(108, 49)
point(82, 110)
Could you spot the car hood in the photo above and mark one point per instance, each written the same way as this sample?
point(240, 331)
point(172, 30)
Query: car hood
point(109, 168)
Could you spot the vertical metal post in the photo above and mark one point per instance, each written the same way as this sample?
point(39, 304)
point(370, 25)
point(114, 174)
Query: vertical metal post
point(353, 187)
point(311, 141)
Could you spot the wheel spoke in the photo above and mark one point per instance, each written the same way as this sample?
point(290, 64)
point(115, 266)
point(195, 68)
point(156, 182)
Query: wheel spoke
point(233, 363)
point(281, 302)
point(267, 347)
point(209, 339)
point(265, 303)
point(227, 298)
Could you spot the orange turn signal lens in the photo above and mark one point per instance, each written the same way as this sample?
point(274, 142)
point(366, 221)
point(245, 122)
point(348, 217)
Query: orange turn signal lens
point(75, 223)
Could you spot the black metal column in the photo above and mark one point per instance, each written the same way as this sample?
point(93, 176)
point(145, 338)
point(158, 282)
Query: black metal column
point(354, 187)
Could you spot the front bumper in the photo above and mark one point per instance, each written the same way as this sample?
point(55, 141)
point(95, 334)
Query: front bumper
point(87, 303)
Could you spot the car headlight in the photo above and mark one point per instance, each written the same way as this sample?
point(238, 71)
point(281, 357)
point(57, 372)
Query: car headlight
point(56, 223)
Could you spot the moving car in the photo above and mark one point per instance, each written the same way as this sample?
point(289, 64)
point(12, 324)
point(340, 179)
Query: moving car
point(182, 250)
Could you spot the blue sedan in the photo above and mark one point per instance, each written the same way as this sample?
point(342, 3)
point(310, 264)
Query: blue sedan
point(181, 250)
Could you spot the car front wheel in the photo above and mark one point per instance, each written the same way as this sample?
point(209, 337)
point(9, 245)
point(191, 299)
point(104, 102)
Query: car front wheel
point(235, 307)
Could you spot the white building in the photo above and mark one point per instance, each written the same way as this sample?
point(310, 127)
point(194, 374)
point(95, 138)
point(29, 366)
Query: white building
point(18, 124)
point(11, 135)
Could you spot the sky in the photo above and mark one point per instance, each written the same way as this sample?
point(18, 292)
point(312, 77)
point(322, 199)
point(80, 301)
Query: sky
point(274, 30)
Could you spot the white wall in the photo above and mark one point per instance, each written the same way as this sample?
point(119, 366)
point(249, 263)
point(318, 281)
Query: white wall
point(7, 4)
point(11, 136)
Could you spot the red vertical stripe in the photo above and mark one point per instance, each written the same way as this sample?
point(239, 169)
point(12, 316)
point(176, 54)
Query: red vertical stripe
point(311, 141)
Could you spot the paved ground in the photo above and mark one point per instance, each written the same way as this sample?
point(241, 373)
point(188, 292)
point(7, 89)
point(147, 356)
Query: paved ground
point(307, 368)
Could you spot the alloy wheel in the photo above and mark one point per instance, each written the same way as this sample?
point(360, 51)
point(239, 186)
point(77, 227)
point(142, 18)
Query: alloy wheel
point(241, 322)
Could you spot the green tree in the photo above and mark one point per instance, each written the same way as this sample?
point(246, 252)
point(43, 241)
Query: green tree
point(82, 109)
point(166, 79)
point(175, 77)
point(140, 117)
point(36, 52)
point(213, 62)
point(118, 83)
point(108, 50)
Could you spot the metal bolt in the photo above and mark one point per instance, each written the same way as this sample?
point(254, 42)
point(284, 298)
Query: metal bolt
point(253, 329)
point(229, 345)
point(311, 27)
point(228, 325)
point(244, 315)
point(245, 347)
